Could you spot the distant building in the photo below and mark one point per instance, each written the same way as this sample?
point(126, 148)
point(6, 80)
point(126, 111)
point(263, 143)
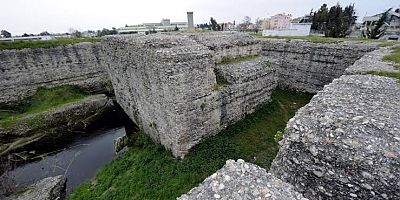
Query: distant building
point(392, 24)
point(227, 26)
point(295, 29)
point(164, 26)
point(283, 25)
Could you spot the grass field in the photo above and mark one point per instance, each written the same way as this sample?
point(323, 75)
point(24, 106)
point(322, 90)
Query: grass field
point(44, 43)
point(148, 171)
point(394, 57)
point(387, 74)
point(43, 99)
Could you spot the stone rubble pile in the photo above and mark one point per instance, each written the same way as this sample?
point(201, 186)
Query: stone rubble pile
point(345, 144)
point(241, 180)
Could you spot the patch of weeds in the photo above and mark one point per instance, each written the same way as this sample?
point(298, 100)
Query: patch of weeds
point(216, 87)
point(267, 64)
point(278, 136)
point(386, 73)
point(387, 44)
point(44, 43)
point(230, 60)
point(394, 57)
point(148, 171)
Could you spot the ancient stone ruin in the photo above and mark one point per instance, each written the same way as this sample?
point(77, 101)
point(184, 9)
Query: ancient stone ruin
point(179, 88)
point(184, 87)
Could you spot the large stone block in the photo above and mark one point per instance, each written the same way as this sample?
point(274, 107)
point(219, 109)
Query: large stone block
point(164, 83)
point(345, 144)
point(241, 180)
point(167, 83)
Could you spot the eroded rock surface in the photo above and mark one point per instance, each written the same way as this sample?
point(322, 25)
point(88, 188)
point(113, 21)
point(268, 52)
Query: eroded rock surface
point(23, 71)
point(372, 61)
point(306, 66)
point(345, 144)
point(51, 188)
point(241, 180)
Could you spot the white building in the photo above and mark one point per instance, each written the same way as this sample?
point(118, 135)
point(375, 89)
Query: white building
point(392, 24)
point(164, 26)
point(295, 29)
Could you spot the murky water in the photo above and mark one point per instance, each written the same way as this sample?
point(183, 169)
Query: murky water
point(79, 161)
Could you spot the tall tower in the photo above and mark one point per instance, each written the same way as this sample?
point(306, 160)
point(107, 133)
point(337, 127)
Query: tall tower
point(190, 20)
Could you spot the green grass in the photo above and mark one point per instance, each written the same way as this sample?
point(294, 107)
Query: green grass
point(147, 171)
point(394, 57)
point(318, 39)
point(386, 73)
point(229, 60)
point(44, 43)
point(43, 99)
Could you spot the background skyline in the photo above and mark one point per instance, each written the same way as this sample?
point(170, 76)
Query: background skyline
point(35, 16)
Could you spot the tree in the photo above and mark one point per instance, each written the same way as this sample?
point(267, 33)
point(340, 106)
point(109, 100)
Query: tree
point(214, 25)
point(376, 30)
point(105, 31)
point(320, 18)
point(336, 22)
point(245, 25)
point(5, 34)
point(44, 33)
point(258, 24)
point(27, 35)
point(76, 34)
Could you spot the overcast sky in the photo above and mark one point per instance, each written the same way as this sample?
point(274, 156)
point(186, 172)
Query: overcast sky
point(35, 16)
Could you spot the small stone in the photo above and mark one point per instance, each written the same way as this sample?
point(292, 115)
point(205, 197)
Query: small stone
point(353, 195)
point(217, 196)
point(318, 173)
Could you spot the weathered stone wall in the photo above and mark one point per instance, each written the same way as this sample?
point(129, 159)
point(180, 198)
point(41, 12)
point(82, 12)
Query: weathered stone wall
point(177, 89)
point(345, 144)
point(248, 84)
point(307, 66)
point(167, 84)
point(23, 71)
point(164, 84)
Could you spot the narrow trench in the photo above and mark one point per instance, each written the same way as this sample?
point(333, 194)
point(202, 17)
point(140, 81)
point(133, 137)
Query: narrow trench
point(77, 156)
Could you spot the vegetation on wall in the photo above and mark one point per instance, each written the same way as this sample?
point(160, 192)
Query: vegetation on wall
point(148, 171)
point(394, 57)
point(43, 99)
point(386, 74)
